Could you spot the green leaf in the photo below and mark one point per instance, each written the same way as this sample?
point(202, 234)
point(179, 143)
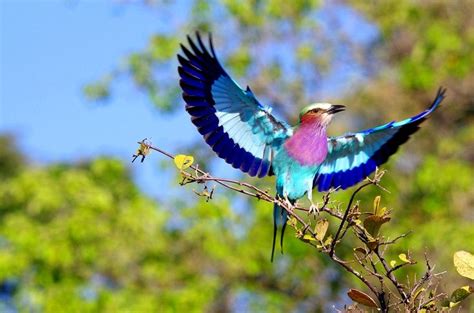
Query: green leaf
point(362, 298)
point(393, 263)
point(321, 229)
point(445, 303)
point(461, 293)
point(457, 296)
point(464, 263)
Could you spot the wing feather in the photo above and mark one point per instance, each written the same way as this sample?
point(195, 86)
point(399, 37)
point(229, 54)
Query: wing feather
point(354, 156)
point(232, 121)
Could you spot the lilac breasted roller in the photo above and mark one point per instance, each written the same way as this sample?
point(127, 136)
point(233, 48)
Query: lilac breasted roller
point(246, 135)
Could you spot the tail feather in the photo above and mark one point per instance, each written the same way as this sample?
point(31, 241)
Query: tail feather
point(276, 210)
point(284, 217)
point(280, 217)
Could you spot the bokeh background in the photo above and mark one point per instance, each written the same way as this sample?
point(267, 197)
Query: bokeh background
point(84, 230)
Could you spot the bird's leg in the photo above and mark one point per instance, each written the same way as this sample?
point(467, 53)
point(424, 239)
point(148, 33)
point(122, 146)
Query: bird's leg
point(288, 202)
point(314, 208)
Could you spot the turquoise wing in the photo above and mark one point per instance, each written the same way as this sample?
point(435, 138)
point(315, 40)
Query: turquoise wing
point(354, 156)
point(238, 128)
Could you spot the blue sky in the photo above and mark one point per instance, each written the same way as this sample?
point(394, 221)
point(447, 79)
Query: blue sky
point(49, 50)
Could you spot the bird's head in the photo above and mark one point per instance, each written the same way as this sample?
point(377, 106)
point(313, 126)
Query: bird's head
point(320, 112)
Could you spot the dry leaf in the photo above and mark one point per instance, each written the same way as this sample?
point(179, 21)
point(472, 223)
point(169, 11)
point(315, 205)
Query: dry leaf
point(362, 298)
point(321, 229)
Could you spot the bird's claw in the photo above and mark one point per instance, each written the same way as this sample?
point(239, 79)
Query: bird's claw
point(313, 209)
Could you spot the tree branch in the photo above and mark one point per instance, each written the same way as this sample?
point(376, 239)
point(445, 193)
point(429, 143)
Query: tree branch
point(371, 240)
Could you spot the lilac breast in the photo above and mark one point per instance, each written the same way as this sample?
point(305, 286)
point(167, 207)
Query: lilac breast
point(308, 145)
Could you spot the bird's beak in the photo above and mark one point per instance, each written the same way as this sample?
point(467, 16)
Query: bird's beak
point(336, 108)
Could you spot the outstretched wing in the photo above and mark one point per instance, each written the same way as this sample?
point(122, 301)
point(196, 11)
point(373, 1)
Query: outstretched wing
point(354, 156)
point(232, 121)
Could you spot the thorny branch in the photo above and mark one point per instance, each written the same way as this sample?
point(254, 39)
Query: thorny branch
point(410, 299)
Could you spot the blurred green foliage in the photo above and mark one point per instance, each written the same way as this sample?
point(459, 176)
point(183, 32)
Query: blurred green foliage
point(82, 237)
point(431, 41)
point(11, 160)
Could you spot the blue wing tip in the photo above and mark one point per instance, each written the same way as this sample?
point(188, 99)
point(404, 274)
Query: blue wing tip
point(441, 94)
point(196, 44)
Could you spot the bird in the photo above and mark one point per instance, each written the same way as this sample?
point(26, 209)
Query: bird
point(246, 134)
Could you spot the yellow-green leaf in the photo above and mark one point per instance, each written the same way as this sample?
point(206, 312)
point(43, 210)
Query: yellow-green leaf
point(308, 237)
point(418, 292)
point(453, 304)
point(464, 263)
point(183, 161)
point(376, 204)
point(362, 298)
point(431, 304)
point(292, 221)
point(321, 229)
point(446, 303)
point(403, 257)
point(461, 293)
point(377, 210)
point(381, 211)
point(328, 241)
point(393, 263)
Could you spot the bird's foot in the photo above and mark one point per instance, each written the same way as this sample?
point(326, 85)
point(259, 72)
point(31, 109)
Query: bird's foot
point(313, 209)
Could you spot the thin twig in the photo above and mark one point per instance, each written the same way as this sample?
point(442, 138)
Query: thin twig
point(346, 213)
point(355, 273)
point(391, 277)
point(395, 239)
point(426, 277)
point(393, 269)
